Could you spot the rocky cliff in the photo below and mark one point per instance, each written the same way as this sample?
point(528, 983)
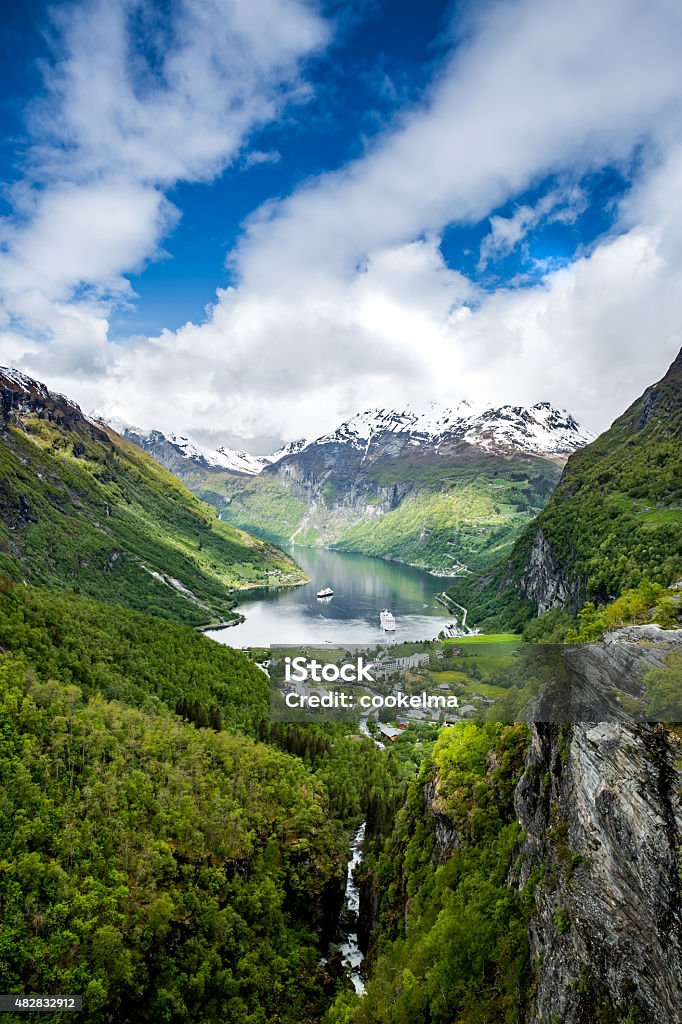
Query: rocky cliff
point(596, 866)
point(545, 583)
point(600, 804)
point(21, 396)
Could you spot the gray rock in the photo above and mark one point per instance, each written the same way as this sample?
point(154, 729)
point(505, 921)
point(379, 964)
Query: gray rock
point(600, 804)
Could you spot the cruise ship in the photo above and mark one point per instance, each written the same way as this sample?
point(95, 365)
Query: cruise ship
point(387, 620)
point(326, 592)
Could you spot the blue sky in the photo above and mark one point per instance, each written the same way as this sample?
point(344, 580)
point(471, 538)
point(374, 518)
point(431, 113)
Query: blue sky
point(249, 218)
point(382, 54)
point(379, 58)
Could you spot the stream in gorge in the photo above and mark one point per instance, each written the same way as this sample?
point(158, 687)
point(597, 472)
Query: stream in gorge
point(350, 948)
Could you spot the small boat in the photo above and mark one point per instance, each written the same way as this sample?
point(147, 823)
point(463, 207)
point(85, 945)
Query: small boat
point(326, 592)
point(387, 620)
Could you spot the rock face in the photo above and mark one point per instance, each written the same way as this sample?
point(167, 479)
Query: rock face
point(445, 833)
point(600, 805)
point(544, 582)
point(606, 937)
point(21, 396)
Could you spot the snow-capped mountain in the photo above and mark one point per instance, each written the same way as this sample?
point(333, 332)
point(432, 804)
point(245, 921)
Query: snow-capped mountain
point(180, 453)
point(231, 459)
point(536, 430)
point(455, 481)
point(539, 430)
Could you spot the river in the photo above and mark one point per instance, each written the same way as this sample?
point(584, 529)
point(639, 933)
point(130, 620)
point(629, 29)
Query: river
point(362, 587)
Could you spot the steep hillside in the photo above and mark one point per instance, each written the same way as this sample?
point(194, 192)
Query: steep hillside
point(615, 517)
point(82, 507)
point(437, 489)
point(166, 870)
point(532, 876)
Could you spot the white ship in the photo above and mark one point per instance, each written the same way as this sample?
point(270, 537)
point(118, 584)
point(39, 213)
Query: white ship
point(387, 620)
point(326, 592)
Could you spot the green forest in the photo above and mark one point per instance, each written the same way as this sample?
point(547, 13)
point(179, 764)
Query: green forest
point(167, 871)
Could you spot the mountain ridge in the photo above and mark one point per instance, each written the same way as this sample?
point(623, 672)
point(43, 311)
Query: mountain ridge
point(82, 507)
point(540, 429)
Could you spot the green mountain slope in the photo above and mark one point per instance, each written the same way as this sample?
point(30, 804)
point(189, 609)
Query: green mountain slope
point(82, 507)
point(167, 871)
point(615, 518)
point(431, 510)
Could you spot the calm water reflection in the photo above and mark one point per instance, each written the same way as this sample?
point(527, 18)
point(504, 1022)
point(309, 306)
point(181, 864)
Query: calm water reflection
point(362, 587)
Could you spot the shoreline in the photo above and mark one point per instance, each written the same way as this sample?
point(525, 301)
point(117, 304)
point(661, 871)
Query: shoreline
point(207, 627)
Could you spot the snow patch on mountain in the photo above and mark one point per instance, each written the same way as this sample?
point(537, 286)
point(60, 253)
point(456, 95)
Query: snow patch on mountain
point(234, 461)
point(537, 430)
point(291, 448)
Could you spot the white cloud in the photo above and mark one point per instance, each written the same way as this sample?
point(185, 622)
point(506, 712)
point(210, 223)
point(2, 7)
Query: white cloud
point(506, 233)
point(180, 106)
point(119, 123)
point(342, 297)
point(258, 157)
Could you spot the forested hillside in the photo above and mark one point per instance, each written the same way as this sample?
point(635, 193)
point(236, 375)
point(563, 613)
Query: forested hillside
point(81, 507)
point(615, 518)
point(166, 870)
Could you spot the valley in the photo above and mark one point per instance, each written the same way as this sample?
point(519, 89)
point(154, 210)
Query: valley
point(451, 487)
point(341, 512)
point(173, 851)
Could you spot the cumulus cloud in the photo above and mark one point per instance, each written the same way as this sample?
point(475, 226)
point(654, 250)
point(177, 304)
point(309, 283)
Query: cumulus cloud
point(342, 298)
point(139, 97)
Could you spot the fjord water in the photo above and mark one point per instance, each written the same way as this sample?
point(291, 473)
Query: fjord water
point(362, 587)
